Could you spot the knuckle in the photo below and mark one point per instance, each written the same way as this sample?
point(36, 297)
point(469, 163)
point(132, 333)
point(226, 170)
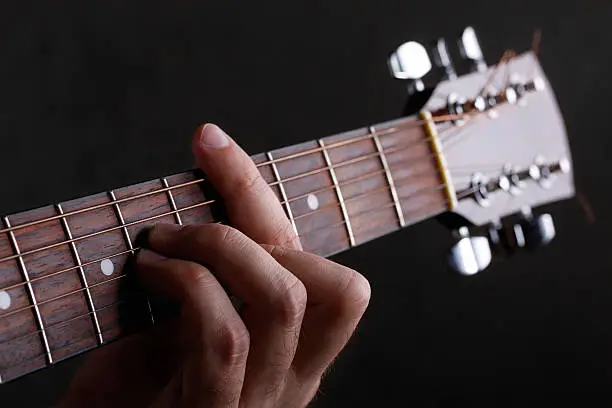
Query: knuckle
point(250, 184)
point(225, 235)
point(232, 343)
point(286, 236)
point(195, 274)
point(217, 237)
point(291, 304)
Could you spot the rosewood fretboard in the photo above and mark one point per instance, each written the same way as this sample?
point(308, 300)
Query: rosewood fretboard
point(63, 287)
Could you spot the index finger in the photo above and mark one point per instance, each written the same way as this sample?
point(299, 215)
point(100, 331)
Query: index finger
point(252, 206)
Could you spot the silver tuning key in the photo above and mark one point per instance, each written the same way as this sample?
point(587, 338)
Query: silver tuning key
point(538, 230)
point(411, 62)
point(470, 255)
point(469, 46)
point(442, 59)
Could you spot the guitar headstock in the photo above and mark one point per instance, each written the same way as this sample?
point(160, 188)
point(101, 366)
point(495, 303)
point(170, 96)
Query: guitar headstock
point(504, 146)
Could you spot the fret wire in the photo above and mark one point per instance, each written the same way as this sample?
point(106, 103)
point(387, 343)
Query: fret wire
point(77, 257)
point(368, 212)
point(389, 131)
point(414, 193)
point(128, 240)
point(77, 290)
point(353, 161)
point(385, 164)
point(332, 173)
point(177, 216)
point(362, 213)
point(95, 285)
point(66, 322)
point(8, 258)
point(192, 182)
point(26, 277)
point(93, 234)
point(338, 144)
point(95, 261)
point(282, 191)
point(362, 195)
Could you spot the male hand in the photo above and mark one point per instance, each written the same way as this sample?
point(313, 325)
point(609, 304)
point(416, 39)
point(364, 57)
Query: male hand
point(298, 309)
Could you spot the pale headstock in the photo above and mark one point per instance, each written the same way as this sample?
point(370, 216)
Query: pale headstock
point(503, 148)
point(508, 150)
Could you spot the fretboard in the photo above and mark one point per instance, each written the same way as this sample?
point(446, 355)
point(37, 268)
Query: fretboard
point(64, 287)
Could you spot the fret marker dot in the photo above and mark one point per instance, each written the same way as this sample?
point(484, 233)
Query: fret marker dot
point(313, 202)
point(107, 267)
point(5, 300)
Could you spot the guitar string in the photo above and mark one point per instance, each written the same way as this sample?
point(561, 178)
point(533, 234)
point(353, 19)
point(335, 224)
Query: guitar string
point(90, 235)
point(507, 55)
point(130, 224)
point(415, 159)
point(116, 278)
point(376, 190)
point(67, 323)
point(109, 280)
point(352, 161)
point(362, 195)
point(293, 199)
point(385, 132)
point(174, 187)
point(410, 123)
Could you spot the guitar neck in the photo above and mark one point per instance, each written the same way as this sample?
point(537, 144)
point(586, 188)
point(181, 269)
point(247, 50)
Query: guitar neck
point(62, 278)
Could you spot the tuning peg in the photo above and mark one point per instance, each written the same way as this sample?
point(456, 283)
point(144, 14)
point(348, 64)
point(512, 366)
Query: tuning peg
point(469, 46)
point(538, 230)
point(470, 255)
point(442, 59)
point(411, 61)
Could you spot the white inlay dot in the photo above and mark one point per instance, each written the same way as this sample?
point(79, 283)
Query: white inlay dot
point(5, 300)
point(107, 267)
point(313, 202)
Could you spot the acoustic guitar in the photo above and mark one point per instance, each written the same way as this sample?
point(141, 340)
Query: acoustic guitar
point(482, 152)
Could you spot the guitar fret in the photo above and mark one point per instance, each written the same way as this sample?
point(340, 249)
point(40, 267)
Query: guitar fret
point(26, 276)
point(282, 191)
point(332, 173)
point(385, 164)
point(177, 215)
point(77, 257)
point(128, 240)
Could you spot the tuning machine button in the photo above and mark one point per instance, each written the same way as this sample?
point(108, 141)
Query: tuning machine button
point(470, 255)
point(538, 230)
point(443, 60)
point(411, 62)
point(470, 49)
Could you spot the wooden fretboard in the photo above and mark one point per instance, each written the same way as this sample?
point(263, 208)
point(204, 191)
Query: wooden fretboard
point(63, 287)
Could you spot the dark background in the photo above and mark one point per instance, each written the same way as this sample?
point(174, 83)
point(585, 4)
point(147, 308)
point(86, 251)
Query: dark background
point(96, 95)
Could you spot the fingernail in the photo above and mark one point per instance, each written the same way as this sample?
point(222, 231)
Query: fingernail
point(146, 257)
point(212, 137)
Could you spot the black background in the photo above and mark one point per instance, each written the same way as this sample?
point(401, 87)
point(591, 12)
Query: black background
point(96, 95)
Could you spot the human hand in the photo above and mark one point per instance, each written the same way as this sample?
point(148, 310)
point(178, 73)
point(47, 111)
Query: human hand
point(299, 310)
